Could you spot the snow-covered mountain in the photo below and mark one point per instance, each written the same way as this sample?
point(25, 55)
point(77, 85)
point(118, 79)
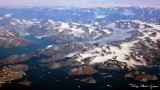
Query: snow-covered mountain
point(74, 24)
point(11, 39)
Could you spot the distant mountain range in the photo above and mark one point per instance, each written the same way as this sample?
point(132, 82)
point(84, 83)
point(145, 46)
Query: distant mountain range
point(66, 24)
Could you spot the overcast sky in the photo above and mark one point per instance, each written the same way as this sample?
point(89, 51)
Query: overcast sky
point(81, 3)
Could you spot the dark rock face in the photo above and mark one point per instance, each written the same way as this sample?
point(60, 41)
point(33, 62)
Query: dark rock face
point(10, 39)
point(16, 58)
point(154, 34)
point(65, 38)
point(54, 58)
point(158, 44)
point(150, 54)
point(54, 65)
point(71, 63)
point(60, 63)
point(55, 31)
point(130, 25)
point(148, 58)
point(82, 70)
point(127, 25)
point(58, 52)
point(131, 74)
point(111, 65)
point(89, 80)
point(12, 72)
point(147, 39)
point(87, 60)
point(135, 33)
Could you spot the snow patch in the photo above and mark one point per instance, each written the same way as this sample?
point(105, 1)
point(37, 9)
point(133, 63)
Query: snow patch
point(51, 21)
point(101, 54)
point(72, 54)
point(64, 25)
point(39, 37)
point(127, 12)
point(100, 16)
point(107, 31)
point(49, 46)
point(8, 15)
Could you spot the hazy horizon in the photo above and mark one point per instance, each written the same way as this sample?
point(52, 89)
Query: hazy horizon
point(80, 3)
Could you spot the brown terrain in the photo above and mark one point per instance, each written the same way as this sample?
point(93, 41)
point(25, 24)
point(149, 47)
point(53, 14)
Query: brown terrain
point(82, 70)
point(12, 72)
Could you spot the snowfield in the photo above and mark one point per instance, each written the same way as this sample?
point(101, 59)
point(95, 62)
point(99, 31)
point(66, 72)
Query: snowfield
point(124, 52)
